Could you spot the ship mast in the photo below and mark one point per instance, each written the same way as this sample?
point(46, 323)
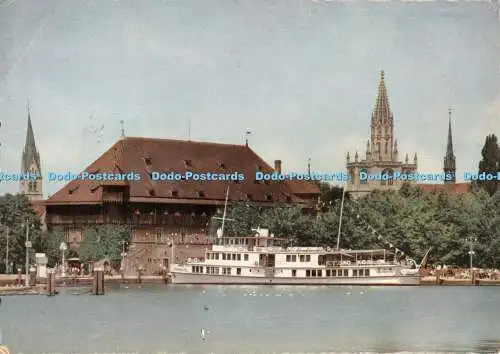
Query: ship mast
point(224, 214)
point(340, 219)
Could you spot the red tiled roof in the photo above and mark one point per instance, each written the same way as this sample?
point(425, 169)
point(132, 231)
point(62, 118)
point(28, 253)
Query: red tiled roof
point(146, 155)
point(450, 188)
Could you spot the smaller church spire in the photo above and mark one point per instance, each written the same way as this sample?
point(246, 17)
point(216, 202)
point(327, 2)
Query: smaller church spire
point(395, 151)
point(449, 166)
point(406, 159)
point(348, 157)
point(356, 157)
point(122, 130)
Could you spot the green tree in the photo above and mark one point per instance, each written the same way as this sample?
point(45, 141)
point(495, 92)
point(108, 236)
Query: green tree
point(50, 243)
point(490, 163)
point(329, 194)
point(104, 242)
point(15, 213)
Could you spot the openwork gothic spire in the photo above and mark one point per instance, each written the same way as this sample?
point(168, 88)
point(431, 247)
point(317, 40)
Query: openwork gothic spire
point(382, 111)
point(382, 129)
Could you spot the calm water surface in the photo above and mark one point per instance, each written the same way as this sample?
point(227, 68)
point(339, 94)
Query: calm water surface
point(246, 319)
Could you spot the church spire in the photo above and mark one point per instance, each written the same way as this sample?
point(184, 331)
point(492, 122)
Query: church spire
point(382, 111)
point(30, 164)
point(30, 152)
point(449, 166)
point(382, 128)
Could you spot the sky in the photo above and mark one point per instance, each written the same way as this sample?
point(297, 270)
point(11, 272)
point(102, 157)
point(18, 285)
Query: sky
point(301, 76)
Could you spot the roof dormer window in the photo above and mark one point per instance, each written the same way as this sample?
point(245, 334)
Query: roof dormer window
point(269, 197)
point(188, 163)
point(174, 193)
point(221, 164)
point(200, 194)
point(148, 161)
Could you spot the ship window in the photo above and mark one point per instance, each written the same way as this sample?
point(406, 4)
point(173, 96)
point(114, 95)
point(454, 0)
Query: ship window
point(308, 273)
point(246, 257)
point(346, 273)
point(294, 258)
point(327, 272)
point(294, 272)
point(308, 258)
point(320, 273)
point(238, 271)
point(354, 272)
point(367, 272)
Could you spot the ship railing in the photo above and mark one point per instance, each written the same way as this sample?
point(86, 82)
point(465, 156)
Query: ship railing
point(268, 249)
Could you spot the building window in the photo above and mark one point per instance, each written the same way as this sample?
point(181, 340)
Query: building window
point(354, 272)
point(327, 272)
point(308, 273)
point(367, 272)
point(288, 258)
point(245, 257)
point(346, 273)
point(294, 258)
point(294, 272)
point(238, 271)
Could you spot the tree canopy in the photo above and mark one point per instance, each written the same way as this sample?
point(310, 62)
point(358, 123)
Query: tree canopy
point(490, 163)
point(410, 219)
point(15, 213)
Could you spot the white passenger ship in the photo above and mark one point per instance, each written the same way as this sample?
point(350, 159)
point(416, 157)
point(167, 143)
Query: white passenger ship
point(263, 259)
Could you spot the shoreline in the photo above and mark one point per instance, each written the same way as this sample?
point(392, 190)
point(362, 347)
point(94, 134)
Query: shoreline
point(8, 283)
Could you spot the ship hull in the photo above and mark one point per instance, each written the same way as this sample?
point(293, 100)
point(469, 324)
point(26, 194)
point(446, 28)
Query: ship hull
point(191, 278)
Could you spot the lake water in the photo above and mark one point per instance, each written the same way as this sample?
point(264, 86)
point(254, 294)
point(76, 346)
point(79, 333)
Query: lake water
point(246, 319)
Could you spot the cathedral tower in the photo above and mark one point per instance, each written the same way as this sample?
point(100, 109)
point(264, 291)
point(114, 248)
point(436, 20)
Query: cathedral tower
point(449, 166)
point(381, 163)
point(31, 165)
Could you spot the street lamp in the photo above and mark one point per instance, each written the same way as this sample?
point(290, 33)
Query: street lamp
point(63, 247)
point(7, 251)
point(28, 247)
point(471, 240)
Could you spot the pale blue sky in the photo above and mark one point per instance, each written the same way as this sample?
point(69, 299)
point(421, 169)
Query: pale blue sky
point(300, 75)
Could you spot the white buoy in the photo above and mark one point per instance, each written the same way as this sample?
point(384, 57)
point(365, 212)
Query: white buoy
point(202, 334)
